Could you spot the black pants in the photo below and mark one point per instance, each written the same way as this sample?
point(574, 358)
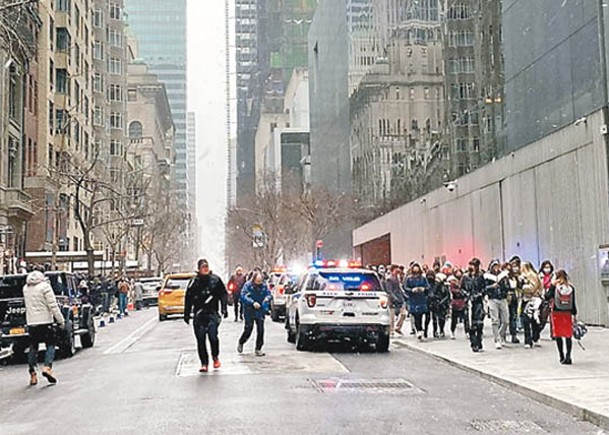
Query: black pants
point(561, 353)
point(475, 336)
point(238, 306)
point(249, 328)
point(206, 327)
point(421, 322)
point(459, 315)
point(439, 321)
point(513, 308)
point(531, 327)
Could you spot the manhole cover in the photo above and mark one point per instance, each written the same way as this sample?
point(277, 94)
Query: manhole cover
point(507, 426)
point(399, 386)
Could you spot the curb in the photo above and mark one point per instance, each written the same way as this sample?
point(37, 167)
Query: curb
point(579, 412)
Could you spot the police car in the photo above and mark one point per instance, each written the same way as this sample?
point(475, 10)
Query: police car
point(338, 301)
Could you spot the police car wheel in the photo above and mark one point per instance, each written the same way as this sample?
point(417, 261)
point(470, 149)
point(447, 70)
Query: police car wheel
point(302, 342)
point(382, 343)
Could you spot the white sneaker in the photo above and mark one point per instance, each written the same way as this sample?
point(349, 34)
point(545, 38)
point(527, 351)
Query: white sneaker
point(498, 346)
point(420, 336)
point(452, 336)
point(527, 346)
point(536, 344)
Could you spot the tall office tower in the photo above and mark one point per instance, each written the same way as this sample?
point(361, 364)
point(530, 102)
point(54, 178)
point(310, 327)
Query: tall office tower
point(160, 28)
point(191, 159)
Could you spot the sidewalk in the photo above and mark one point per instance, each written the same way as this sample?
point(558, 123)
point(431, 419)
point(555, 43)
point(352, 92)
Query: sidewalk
point(581, 389)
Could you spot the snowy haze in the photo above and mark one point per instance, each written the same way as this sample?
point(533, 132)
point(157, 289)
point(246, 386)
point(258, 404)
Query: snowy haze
point(206, 97)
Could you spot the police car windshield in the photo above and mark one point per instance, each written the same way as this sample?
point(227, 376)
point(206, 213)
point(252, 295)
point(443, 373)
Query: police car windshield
point(352, 281)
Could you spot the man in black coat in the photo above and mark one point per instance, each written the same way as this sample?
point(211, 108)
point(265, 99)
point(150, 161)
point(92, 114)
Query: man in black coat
point(206, 295)
point(474, 285)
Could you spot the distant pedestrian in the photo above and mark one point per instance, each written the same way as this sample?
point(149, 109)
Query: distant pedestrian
point(531, 304)
point(206, 296)
point(123, 296)
point(235, 286)
point(474, 285)
point(513, 297)
point(41, 309)
point(256, 299)
point(439, 303)
point(561, 296)
point(417, 289)
point(396, 300)
point(138, 295)
point(496, 289)
point(458, 305)
point(546, 275)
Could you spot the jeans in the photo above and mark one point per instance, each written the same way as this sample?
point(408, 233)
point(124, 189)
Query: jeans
point(122, 303)
point(206, 327)
point(439, 322)
point(513, 312)
point(395, 312)
point(475, 336)
point(249, 328)
point(500, 317)
point(41, 334)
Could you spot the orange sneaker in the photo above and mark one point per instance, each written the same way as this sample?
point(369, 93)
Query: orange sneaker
point(33, 379)
point(203, 369)
point(217, 364)
point(48, 373)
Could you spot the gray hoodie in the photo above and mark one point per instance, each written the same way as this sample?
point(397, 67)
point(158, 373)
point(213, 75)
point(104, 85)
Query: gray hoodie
point(40, 302)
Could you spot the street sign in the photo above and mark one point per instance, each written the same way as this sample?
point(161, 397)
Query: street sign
point(258, 237)
point(137, 222)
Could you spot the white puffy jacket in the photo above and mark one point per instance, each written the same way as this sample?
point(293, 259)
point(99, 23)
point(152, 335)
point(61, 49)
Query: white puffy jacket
point(40, 303)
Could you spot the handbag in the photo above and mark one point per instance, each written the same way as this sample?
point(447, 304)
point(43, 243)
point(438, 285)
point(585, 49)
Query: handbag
point(579, 331)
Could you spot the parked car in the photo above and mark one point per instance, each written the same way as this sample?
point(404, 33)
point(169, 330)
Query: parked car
point(150, 290)
point(78, 314)
point(171, 294)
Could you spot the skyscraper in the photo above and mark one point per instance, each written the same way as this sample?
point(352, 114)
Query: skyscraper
point(160, 28)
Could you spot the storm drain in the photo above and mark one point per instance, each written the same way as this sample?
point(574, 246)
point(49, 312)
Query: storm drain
point(506, 426)
point(399, 386)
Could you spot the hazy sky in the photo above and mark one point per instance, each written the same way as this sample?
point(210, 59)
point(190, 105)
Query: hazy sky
point(206, 97)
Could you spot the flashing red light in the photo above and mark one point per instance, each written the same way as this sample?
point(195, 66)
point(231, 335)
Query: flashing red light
point(365, 287)
point(330, 263)
point(281, 290)
point(354, 264)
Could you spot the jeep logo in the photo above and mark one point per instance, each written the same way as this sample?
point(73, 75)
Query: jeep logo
point(16, 310)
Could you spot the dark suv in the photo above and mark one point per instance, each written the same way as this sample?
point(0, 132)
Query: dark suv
point(77, 312)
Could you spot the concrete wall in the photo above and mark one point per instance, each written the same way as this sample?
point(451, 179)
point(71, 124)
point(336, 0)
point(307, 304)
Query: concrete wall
point(545, 201)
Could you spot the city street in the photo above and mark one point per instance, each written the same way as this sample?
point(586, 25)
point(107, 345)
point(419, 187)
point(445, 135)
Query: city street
point(141, 378)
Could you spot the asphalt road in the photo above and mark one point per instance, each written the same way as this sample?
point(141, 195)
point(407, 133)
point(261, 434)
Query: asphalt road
point(141, 378)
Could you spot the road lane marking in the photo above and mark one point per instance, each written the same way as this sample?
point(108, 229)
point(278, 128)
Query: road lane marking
point(129, 340)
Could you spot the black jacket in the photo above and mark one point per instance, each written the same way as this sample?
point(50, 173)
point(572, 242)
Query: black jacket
point(496, 286)
point(205, 294)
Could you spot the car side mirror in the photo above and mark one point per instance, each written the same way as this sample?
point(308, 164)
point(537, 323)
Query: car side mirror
point(158, 288)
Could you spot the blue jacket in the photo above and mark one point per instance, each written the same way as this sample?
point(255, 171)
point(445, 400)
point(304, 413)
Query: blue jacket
point(252, 293)
point(417, 300)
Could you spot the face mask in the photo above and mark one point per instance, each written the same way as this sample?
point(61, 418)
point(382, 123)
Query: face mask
point(547, 270)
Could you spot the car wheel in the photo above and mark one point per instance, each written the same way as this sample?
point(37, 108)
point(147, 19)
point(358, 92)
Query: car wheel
point(19, 353)
point(382, 343)
point(87, 339)
point(162, 317)
point(302, 342)
point(274, 315)
point(68, 345)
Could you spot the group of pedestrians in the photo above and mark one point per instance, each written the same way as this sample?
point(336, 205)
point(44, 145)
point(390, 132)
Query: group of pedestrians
point(512, 294)
point(206, 300)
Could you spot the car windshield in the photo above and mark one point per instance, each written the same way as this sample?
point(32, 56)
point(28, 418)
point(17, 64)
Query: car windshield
point(11, 286)
point(352, 281)
point(177, 283)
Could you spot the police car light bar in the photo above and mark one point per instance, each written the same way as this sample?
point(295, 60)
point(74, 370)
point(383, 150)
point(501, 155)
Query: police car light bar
point(342, 264)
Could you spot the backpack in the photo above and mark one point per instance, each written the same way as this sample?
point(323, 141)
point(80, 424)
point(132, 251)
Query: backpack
point(563, 298)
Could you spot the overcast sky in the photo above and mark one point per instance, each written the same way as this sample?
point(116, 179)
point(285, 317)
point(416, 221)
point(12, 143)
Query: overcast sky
point(206, 95)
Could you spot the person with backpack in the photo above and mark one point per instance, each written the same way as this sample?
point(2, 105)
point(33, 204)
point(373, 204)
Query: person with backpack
point(531, 303)
point(439, 303)
point(496, 290)
point(417, 289)
point(561, 296)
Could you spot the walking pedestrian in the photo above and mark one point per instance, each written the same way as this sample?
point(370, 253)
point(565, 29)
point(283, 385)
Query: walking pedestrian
point(396, 299)
point(546, 275)
point(531, 302)
point(41, 309)
point(513, 297)
point(561, 296)
point(123, 294)
point(235, 286)
point(474, 285)
point(439, 304)
point(417, 289)
point(256, 298)
point(458, 305)
point(206, 295)
point(497, 287)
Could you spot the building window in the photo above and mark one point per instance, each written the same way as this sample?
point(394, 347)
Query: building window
point(461, 38)
point(115, 93)
point(461, 145)
point(62, 39)
point(98, 116)
point(98, 83)
point(13, 100)
point(397, 93)
point(459, 11)
point(135, 130)
point(131, 95)
point(61, 79)
point(462, 91)
point(426, 93)
point(63, 5)
point(412, 94)
point(98, 18)
point(98, 50)
point(114, 37)
point(476, 145)
point(115, 66)
point(116, 120)
point(461, 65)
point(115, 11)
point(116, 147)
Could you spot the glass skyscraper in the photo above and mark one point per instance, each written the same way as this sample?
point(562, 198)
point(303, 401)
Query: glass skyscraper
point(160, 29)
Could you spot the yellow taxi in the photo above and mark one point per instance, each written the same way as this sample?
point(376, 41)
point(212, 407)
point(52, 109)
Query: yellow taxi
point(171, 294)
